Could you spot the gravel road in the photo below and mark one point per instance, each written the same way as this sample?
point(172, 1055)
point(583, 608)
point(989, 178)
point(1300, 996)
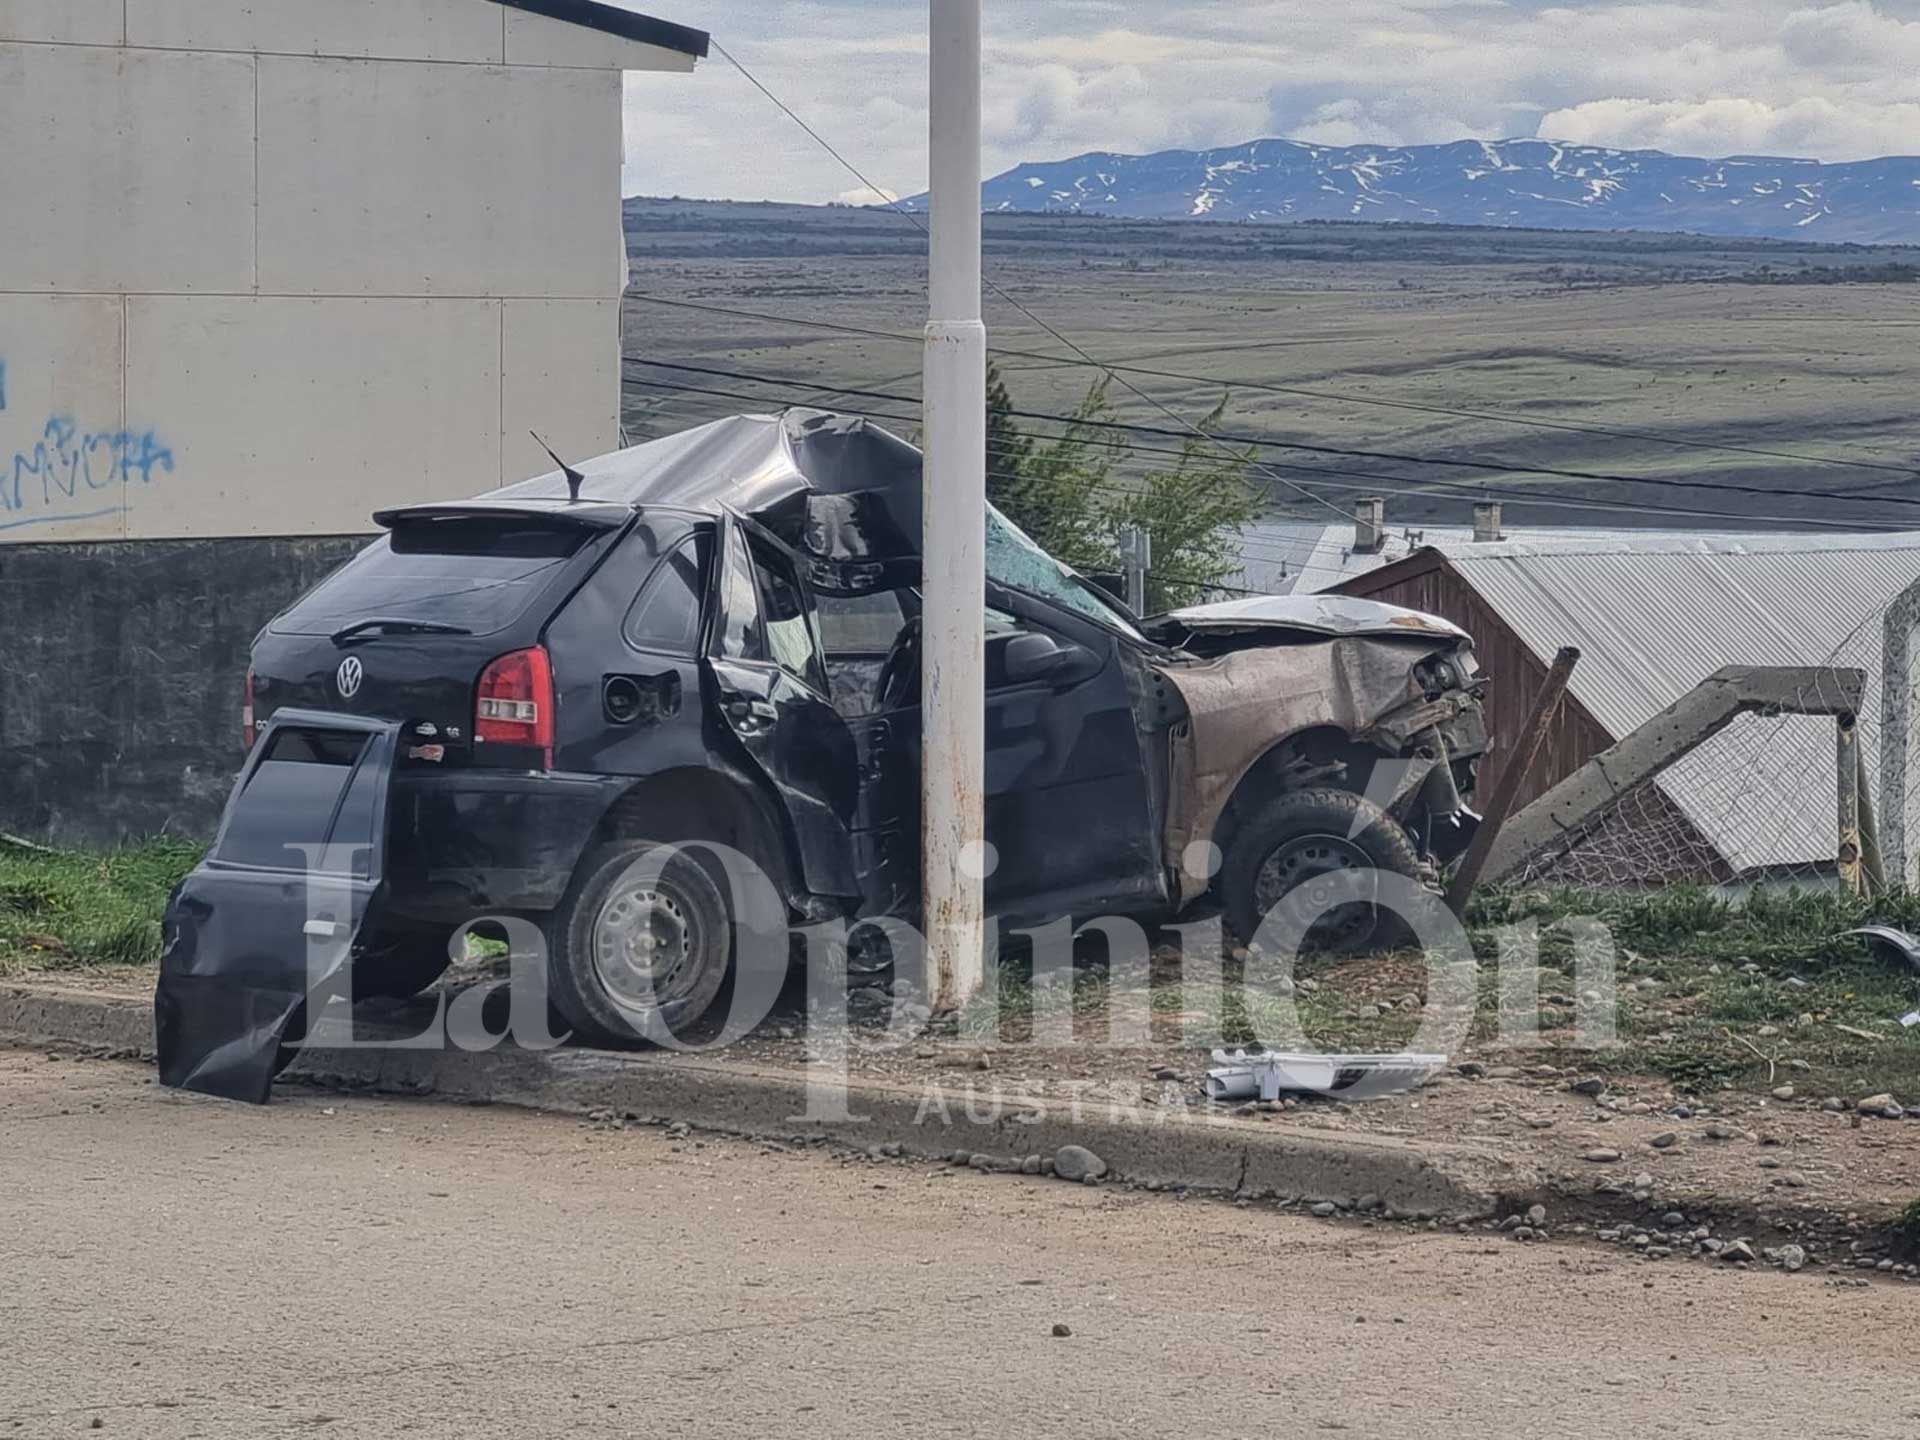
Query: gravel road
point(180, 1267)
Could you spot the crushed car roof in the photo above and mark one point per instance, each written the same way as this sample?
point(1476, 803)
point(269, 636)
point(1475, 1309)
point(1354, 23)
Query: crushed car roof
point(833, 486)
point(1315, 615)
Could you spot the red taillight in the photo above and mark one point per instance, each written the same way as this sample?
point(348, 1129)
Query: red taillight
point(246, 713)
point(515, 704)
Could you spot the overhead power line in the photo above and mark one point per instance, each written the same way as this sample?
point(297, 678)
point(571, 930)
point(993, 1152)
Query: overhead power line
point(1908, 471)
point(1223, 438)
point(914, 220)
point(1405, 485)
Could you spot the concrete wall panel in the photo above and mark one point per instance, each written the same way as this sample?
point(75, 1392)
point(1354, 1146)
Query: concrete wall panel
point(468, 30)
point(72, 22)
point(64, 457)
point(125, 670)
point(409, 179)
point(562, 379)
point(308, 415)
point(126, 169)
point(537, 40)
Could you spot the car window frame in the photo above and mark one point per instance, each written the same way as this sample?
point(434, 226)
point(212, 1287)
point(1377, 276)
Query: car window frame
point(724, 567)
point(731, 525)
point(757, 540)
point(701, 589)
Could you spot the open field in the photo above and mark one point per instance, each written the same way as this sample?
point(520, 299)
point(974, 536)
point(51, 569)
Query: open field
point(1660, 339)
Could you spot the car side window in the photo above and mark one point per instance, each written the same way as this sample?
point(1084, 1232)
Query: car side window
point(666, 615)
point(741, 636)
point(789, 627)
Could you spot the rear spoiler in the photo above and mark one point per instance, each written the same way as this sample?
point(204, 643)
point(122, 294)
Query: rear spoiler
point(562, 514)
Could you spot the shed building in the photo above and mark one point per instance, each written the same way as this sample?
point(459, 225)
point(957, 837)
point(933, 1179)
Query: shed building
point(1653, 615)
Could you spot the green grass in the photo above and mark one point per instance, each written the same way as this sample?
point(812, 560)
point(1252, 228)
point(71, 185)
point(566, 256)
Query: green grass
point(1698, 1024)
point(1696, 981)
point(69, 909)
point(1907, 1228)
point(1773, 929)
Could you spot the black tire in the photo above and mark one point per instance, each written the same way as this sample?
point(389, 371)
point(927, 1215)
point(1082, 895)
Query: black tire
point(400, 960)
point(1304, 833)
point(593, 962)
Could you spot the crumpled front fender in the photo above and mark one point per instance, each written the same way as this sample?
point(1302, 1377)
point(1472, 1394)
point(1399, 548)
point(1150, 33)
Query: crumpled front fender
point(1243, 703)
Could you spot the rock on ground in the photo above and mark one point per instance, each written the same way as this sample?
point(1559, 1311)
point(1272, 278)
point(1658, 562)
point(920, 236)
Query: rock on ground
point(1076, 1162)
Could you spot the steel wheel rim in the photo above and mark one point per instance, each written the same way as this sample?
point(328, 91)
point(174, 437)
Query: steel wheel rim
point(1293, 873)
point(644, 942)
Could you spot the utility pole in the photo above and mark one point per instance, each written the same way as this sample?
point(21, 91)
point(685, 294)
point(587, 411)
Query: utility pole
point(953, 671)
point(1136, 553)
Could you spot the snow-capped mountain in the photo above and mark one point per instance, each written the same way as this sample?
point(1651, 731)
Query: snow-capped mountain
point(1530, 183)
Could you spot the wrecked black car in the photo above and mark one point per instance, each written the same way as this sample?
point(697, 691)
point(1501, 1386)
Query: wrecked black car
point(492, 709)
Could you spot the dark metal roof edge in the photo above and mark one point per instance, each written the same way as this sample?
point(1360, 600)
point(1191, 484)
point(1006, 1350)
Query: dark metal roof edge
point(626, 24)
point(1423, 561)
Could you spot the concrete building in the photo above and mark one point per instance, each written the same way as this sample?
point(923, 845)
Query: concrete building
point(273, 263)
point(268, 266)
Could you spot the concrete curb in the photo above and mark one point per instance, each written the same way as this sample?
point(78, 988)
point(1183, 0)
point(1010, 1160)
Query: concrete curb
point(38, 1015)
point(1150, 1145)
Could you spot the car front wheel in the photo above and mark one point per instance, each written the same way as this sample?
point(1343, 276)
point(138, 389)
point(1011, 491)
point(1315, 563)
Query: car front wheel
point(1295, 852)
point(639, 947)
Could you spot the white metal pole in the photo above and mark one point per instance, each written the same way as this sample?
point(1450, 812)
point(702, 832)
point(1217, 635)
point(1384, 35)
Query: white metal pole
point(953, 698)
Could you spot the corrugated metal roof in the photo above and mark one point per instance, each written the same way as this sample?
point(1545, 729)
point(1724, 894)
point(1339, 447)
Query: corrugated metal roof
point(1654, 615)
point(1282, 557)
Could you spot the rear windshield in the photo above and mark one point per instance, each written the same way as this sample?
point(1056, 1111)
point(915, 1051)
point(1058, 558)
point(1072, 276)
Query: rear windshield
point(478, 574)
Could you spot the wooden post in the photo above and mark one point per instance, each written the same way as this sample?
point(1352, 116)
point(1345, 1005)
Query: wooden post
point(1853, 872)
point(1546, 704)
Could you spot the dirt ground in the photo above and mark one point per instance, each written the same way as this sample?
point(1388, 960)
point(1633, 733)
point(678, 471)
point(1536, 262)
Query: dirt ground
point(1638, 1148)
point(180, 1267)
point(1620, 1159)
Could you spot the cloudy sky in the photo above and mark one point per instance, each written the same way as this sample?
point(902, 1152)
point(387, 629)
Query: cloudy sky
point(1835, 79)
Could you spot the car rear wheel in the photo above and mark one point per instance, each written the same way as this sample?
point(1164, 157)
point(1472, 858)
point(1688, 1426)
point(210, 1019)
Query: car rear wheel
point(1292, 851)
point(639, 948)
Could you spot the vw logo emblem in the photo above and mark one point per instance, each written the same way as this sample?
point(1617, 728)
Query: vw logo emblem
point(349, 676)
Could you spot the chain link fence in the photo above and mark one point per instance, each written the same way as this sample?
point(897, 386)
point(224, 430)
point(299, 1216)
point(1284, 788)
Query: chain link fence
point(1776, 798)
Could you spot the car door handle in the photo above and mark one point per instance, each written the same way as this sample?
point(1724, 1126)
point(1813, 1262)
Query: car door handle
point(758, 713)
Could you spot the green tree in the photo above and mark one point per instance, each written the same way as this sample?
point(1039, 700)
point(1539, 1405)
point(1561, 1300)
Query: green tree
point(1059, 493)
point(1194, 511)
point(1070, 493)
point(1007, 447)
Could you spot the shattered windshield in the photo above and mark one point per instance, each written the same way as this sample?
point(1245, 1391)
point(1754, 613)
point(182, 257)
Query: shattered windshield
point(1016, 562)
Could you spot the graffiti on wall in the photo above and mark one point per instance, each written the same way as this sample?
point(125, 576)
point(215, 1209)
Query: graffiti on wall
point(66, 472)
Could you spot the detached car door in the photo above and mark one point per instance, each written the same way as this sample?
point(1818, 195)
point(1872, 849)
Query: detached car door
point(771, 691)
point(270, 917)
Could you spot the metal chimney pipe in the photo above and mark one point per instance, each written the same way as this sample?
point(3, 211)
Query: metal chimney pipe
point(1370, 525)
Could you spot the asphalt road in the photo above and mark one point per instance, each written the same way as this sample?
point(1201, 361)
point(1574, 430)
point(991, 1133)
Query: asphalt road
point(173, 1267)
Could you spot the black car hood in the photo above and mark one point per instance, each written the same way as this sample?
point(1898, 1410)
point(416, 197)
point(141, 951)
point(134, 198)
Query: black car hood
point(843, 492)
